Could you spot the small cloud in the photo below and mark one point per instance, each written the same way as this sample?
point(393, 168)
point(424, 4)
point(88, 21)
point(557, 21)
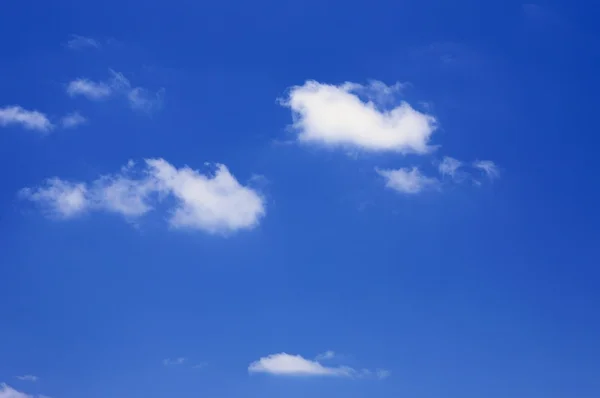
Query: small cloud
point(80, 42)
point(295, 365)
point(407, 180)
point(73, 120)
point(28, 378)
point(325, 356)
point(449, 167)
point(356, 116)
point(488, 167)
point(30, 120)
point(173, 361)
point(139, 98)
point(89, 89)
point(283, 364)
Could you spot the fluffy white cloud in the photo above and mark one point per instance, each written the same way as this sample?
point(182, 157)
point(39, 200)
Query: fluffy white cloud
point(338, 116)
point(449, 166)
point(28, 378)
point(215, 203)
point(31, 120)
point(138, 98)
point(8, 392)
point(407, 180)
point(72, 120)
point(80, 42)
point(488, 167)
point(283, 364)
point(173, 361)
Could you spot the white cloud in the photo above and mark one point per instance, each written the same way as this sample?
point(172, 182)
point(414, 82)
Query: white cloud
point(8, 392)
point(28, 378)
point(59, 199)
point(325, 356)
point(369, 117)
point(173, 361)
point(295, 365)
point(80, 42)
point(407, 180)
point(216, 203)
point(337, 116)
point(449, 166)
point(89, 89)
point(139, 98)
point(283, 364)
point(30, 120)
point(488, 167)
point(213, 204)
point(73, 120)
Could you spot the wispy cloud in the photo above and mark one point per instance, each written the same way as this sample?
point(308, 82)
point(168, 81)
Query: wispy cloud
point(72, 120)
point(27, 378)
point(144, 100)
point(173, 361)
point(449, 167)
point(138, 98)
point(216, 203)
point(488, 167)
point(284, 364)
point(80, 42)
point(325, 356)
point(407, 180)
point(30, 120)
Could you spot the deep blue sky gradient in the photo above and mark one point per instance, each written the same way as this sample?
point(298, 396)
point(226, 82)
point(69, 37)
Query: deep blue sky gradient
point(474, 291)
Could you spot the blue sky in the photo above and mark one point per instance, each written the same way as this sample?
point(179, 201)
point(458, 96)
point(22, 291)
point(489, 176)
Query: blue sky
point(316, 199)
